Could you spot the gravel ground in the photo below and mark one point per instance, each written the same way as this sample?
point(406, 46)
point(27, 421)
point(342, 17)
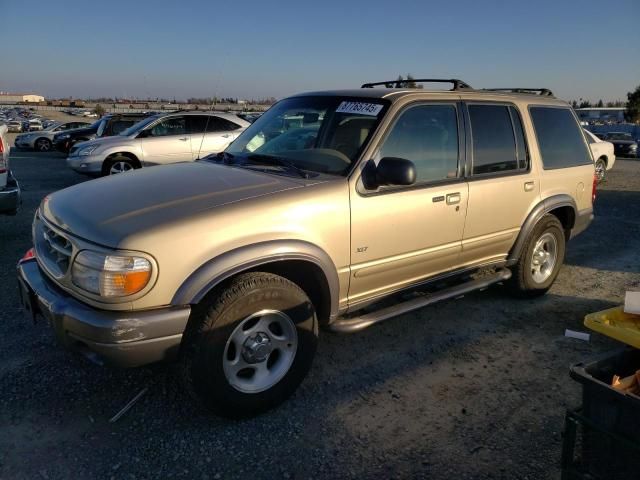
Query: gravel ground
point(470, 388)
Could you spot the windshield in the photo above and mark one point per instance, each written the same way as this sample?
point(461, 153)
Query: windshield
point(136, 127)
point(319, 134)
point(619, 136)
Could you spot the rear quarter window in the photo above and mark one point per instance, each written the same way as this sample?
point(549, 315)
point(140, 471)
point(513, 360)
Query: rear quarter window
point(560, 138)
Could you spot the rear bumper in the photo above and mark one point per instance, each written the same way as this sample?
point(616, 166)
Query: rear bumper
point(10, 196)
point(583, 220)
point(122, 338)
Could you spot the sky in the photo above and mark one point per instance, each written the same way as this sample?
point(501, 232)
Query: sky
point(257, 49)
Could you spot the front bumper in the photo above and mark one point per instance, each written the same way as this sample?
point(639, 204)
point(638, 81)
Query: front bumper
point(62, 145)
point(122, 338)
point(10, 196)
point(22, 143)
point(87, 164)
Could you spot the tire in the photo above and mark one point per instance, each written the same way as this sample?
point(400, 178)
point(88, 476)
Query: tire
point(529, 277)
point(42, 145)
point(601, 170)
point(228, 365)
point(118, 164)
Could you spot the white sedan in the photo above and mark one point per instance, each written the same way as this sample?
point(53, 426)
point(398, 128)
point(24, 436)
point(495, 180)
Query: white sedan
point(42, 140)
point(603, 155)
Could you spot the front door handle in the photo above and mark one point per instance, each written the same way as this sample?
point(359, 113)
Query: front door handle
point(226, 135)
point(528, 186)
point(184, 139)
point(453, 198)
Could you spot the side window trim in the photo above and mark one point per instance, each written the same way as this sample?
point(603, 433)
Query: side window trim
point(469, 175)
point(460, 172)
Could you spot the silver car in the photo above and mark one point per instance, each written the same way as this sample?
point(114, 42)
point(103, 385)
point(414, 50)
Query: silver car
point(157, 140)
point(43, 140)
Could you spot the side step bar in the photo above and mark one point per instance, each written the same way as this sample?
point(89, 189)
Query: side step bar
point(351, 325)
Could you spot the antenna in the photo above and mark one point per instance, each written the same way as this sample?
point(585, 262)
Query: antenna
point(206, 127)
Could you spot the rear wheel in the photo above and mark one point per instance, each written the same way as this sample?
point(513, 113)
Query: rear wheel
point(601, 170)
point(42, 144)
point(249, 346)
point(540, 260)
point(119, 164)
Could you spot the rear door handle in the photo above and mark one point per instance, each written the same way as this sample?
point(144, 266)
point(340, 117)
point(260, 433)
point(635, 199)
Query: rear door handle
point(528, 186)
point(184, 139)
point(226, 135)
point(453, 198)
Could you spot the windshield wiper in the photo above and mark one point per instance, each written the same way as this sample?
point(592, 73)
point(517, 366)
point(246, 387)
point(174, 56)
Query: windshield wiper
point(260, 158)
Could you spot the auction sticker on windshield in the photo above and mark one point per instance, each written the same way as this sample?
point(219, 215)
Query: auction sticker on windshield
point(372, 109)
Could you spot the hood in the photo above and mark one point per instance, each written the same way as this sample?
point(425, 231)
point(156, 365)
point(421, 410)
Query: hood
point(79, 131)
point(106, 142)
point(107, 210)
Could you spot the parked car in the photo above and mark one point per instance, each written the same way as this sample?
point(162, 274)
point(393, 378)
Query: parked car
point(35, 125)
point(109, 125)
point(43, 140)
point(232, 264)
point(158, 140)
point(14, 126)
point(9, 188)
point(603, 155)
point(623, 143)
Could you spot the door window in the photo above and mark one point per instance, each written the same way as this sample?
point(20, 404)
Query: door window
point(168, 126)
point(428, 136)
point(494, 142)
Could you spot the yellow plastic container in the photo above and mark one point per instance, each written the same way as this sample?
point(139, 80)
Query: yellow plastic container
point(616, 324)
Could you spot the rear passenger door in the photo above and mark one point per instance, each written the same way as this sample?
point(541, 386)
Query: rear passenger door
point(503, 184)
point(402, 235)
point(210, 134)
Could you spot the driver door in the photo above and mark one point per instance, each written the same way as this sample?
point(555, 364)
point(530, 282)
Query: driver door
point(403, 235)
point(167, 141)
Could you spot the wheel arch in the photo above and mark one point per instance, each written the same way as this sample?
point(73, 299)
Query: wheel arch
point(129, 155)
point(305, 264)
point(563, 206)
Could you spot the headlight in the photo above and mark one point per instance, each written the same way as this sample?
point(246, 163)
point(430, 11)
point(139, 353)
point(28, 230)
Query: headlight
point(87, 150)
point(110, 275)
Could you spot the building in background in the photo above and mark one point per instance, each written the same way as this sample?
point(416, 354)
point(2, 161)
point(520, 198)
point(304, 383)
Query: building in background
point(6, 97)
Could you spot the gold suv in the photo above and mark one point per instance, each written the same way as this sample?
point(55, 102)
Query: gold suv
point(328, 203)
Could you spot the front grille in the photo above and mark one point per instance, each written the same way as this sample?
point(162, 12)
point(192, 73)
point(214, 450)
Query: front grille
point(52, 248)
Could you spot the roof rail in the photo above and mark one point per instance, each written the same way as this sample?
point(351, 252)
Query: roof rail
point(543, 92)
point(457, 84)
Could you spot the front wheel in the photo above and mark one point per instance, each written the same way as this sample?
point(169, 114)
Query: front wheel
point(540, 260)
point(248, 346)
point(601, 170)
point(118, 165)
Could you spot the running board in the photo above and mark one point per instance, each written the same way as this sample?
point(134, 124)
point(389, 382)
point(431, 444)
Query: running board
point(351, 325)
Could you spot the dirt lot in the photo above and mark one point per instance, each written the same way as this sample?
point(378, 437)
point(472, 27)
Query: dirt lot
point(470, 388)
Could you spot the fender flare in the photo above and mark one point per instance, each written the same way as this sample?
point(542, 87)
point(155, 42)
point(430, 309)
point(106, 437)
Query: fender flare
point(541, 209)
point(230, 263)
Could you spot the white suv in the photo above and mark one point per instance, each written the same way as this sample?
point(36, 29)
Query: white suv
point(158, 140)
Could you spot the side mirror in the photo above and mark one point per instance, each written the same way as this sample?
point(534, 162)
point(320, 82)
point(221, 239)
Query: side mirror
point(389, 171)
point(143, 134)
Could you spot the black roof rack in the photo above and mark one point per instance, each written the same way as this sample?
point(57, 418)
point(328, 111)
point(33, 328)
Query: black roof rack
point(457, 84)
point(544, 92)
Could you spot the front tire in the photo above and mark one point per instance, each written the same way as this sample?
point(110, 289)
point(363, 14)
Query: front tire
point(601, 170)
point(540, 260)
point(119, 164)
point(249, 346)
